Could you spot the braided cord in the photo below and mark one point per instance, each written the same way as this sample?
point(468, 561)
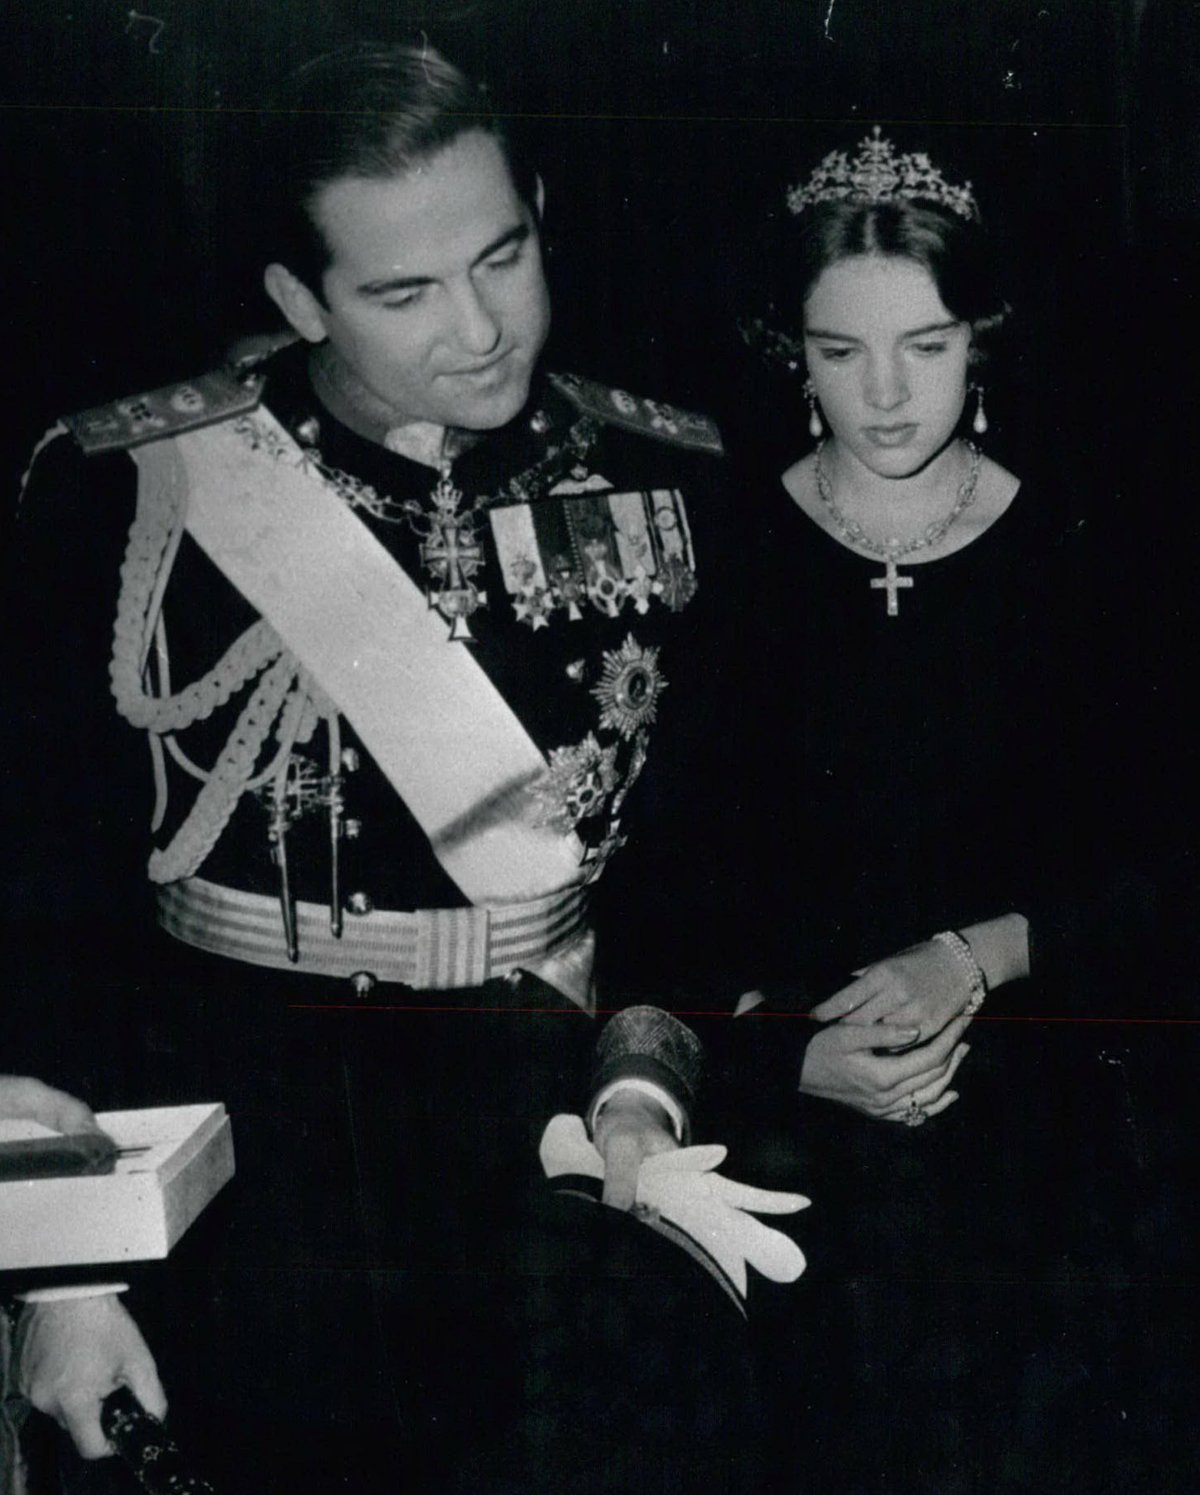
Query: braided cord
point(149, 554)
point(218, 798)
point(277, 700)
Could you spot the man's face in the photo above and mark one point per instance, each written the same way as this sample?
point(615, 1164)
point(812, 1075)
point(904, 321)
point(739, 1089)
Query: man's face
point(434, 296)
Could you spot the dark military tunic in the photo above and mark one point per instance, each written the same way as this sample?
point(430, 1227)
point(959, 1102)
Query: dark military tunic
point(385, 1298)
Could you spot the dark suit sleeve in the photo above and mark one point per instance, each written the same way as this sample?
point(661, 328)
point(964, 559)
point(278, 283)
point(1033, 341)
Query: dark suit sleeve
point(689, 912)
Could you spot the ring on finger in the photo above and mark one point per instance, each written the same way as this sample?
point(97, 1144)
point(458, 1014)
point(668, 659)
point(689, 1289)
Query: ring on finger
point(915, 1113)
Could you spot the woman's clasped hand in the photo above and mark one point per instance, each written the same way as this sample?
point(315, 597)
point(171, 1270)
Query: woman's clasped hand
point(884, 1069)
point(893, 1045)
point(922, 987)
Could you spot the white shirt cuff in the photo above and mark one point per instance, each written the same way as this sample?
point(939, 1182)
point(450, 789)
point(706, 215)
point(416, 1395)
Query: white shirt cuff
point(75, 1290)
point(643, 1087)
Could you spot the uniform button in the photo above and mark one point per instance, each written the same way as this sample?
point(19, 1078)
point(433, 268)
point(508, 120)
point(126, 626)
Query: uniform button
point(364, 983)
point(539, 423)
point(360, 903)
point(352, 829)
point(309, 431)
point(575, 670)
point(350, 759)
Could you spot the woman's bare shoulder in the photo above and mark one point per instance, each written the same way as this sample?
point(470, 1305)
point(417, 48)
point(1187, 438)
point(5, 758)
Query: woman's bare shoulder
point(800, 482)
point(997, 489)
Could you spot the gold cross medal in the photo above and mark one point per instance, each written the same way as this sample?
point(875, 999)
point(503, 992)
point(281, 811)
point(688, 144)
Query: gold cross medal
point(452, 555)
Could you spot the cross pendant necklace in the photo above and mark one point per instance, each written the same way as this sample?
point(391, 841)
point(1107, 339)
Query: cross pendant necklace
point(891, 583)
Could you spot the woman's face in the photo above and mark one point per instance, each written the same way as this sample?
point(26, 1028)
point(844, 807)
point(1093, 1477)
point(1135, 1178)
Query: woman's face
point(887, 360)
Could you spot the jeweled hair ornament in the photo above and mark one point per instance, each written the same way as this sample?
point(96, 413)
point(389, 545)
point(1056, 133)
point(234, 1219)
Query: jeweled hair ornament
point(879, 174)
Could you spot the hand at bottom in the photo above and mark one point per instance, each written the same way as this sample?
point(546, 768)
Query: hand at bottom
point(630, 1128)
point(73, 1352)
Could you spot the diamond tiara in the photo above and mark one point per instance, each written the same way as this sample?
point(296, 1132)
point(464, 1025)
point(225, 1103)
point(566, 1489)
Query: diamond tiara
point(878, 174)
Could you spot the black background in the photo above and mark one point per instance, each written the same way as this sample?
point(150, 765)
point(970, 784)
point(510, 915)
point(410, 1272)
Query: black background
point(666, 130)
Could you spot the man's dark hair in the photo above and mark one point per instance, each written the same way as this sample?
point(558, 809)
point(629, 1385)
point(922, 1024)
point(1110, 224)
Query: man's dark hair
point(371, 111)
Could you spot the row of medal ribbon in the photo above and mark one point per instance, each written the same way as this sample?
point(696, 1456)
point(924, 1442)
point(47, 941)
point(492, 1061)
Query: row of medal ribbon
point(613, 547)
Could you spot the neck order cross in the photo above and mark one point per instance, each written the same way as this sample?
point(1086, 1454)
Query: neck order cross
point(447, 526)
point(891, 552)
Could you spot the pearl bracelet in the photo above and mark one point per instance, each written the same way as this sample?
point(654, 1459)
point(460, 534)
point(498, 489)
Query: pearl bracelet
point(965, 956)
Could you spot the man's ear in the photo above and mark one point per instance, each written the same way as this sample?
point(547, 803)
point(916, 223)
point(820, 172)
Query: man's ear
point(297, 303)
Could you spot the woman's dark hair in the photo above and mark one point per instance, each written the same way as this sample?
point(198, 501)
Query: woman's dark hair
point(371, 111)
point(953, 249)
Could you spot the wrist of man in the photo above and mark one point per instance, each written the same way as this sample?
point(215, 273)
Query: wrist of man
point(650, 1046)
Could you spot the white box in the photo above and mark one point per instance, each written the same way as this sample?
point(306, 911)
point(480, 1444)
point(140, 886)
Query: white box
point(136, 1213)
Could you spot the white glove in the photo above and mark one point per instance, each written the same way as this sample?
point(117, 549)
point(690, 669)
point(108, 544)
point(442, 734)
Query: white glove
point(682, 1188)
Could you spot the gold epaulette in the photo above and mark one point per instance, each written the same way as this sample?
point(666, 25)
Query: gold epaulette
point(647, 417)
point(165, 412)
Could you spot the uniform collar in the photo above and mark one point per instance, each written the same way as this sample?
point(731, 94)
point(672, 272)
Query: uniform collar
point(302, 400)
point(349, 400)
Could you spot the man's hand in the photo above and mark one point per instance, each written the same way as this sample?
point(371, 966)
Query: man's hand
point(26, 1099)
point(841, 1064)
point(74, 1351)
point(630, 1127)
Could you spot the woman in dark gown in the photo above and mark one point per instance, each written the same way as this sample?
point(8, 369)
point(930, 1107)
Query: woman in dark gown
point(935, 759)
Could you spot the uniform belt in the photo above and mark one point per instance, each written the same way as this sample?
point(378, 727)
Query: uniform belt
point(436, 949)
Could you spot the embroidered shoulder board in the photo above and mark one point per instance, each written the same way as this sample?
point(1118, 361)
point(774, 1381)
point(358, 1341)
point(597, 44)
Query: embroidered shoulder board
point(647, 417)
point(165, 412)
point(246, 353)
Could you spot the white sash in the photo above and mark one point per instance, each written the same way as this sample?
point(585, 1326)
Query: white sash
point(422, 706)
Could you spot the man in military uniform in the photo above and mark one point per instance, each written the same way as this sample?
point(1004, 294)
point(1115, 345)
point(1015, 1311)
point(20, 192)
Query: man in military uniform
point(398, 612)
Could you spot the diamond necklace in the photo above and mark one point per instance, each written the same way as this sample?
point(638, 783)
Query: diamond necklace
point(890, 553)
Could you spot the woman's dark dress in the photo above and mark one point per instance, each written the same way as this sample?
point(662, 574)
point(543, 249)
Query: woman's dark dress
point(994, 1302)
